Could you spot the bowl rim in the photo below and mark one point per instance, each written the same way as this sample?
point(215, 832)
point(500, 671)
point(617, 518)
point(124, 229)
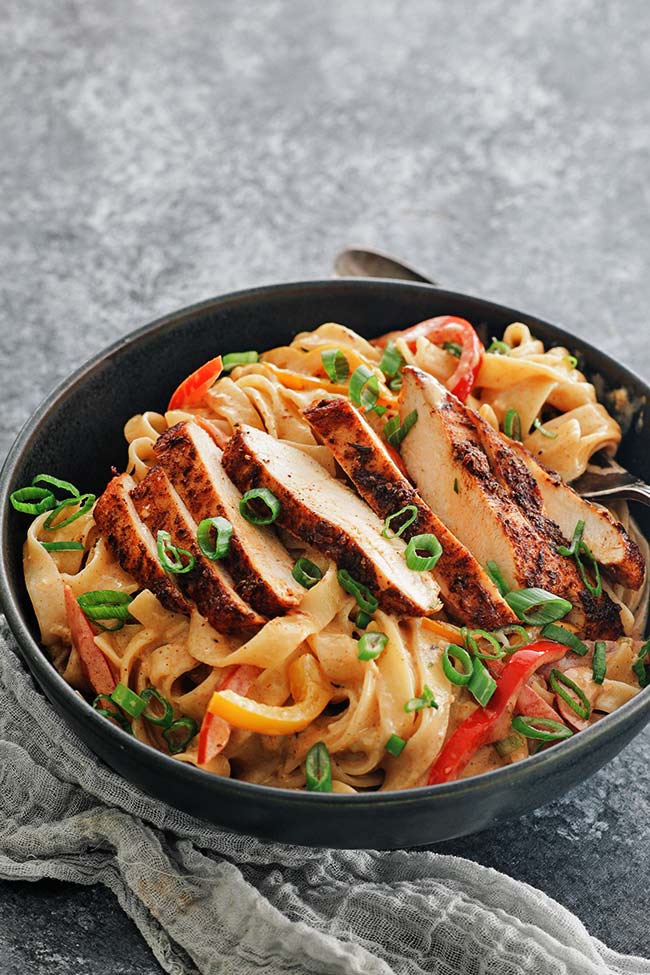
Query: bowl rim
point(40, 666)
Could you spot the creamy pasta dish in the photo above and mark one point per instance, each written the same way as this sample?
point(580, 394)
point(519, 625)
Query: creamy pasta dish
point(343, 565)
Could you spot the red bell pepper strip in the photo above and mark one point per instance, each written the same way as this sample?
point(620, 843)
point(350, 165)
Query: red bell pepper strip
point(486, 724)
point(192, 390)
point(215, 732)
point(93, 660)
point(447, 328)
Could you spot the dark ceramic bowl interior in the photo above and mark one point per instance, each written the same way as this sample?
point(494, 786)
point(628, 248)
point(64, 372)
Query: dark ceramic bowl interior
point(77, 434)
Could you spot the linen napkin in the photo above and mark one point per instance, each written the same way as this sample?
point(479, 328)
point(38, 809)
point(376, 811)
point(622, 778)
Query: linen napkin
point(208, 901)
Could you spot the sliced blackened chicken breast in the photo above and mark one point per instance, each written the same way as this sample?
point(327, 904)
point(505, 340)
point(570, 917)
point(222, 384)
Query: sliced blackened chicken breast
point(208, 585)
point(608, 541)
point(260, 566)
point(328, 515)
point(467, 590)
point(133, 545)
point(471, 481)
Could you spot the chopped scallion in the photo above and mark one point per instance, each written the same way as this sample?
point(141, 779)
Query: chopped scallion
point(371, 645)
point(32, 500)
point(306, 572)
point(512, 424)
point(268, 499)
point(116, 717)
point(232, 359)
point(85, 501)
point(365, 599)
point(395, 745)
point(171, 556)
point(107, 604)
point(503, 633)
point(537, 425)
point(163, 715)
point(542, 729)
point(179, 734)
point(318, 768)
point(426, 700)
point(571, 361)
point(576, 550)
point(63, 546)
point(537, 606)
point(409, 509)
point(497, 577)
point(362, 619)
point(508, 745)
point(364, 388)
point(335, 365)
point(482, 684)
point(458, 677)
point(58, 483)
point(560, 634)
point(470, 638)
point(599, 662)
point(497, 347)
point(562, 684)
point(391, 360)
point(395, 431)
point(453, 348)
point(455, 485)
point(423, 543)
point(223, 535)
point(128, 700)
point(640, 666)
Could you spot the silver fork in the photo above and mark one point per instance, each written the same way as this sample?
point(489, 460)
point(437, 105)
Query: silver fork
point(611, 482)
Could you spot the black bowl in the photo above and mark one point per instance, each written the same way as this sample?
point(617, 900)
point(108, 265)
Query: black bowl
point(77, 434)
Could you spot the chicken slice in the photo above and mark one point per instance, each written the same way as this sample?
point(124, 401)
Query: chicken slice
point(328, 515)
point(259, 564)
point(208, 585)
point(476, 493)
point(468, 592)
point(608, 541)
point(133, 545)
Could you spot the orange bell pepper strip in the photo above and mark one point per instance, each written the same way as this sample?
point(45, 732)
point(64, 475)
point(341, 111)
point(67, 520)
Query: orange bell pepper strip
point(447, 631)
point(192, 390)
point(447, 328)
point(215, 732)
point(311, 692)
point(93, 660)
point(485, 725)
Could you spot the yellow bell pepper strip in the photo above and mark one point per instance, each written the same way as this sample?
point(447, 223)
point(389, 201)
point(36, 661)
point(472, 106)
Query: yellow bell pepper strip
point(311, 692)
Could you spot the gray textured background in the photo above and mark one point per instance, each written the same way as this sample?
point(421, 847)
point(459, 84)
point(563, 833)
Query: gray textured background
point(156, 153)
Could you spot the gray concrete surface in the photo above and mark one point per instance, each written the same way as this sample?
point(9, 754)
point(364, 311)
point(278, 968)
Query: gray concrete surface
point(156, 153)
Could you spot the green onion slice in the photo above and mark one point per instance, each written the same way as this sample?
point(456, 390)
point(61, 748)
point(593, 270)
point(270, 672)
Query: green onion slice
point(362, 619)
point(498, 347)
point(599, 662)
point(543, 729)
point(371, 645)
point(58, 483)
point(364, 388)
point(575, 550)
point(157, 709)
point(639, 666)
point(470, 638)
point(503, 633)
point(365, 599)
point(423, 543)
point(32, 500)
point(86, 501)
point(395, 745)
point(107, 604)
point(412, 511)
point(179, 734)
point(63, 546)
point(426, 700)
point(391, 360)
point(335, 365)
point(318, 768)
point(458, 677)
point(128, 700)
point(306, 572)
point(267, 498)
point(571, 361)
point(559, 634)
point(562, 684)
point(537, 425)
point(508, 745)
point(223, 535)
point(512, 424)
point(395, 431)
point(537, 606)
point(497, 577)
point(482, 684)
point(171, 556)
point(453, 348)
point(396, 383)
point(455, 485)
point(233, 359)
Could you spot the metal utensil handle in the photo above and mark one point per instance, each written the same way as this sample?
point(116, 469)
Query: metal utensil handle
point(638, 491)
